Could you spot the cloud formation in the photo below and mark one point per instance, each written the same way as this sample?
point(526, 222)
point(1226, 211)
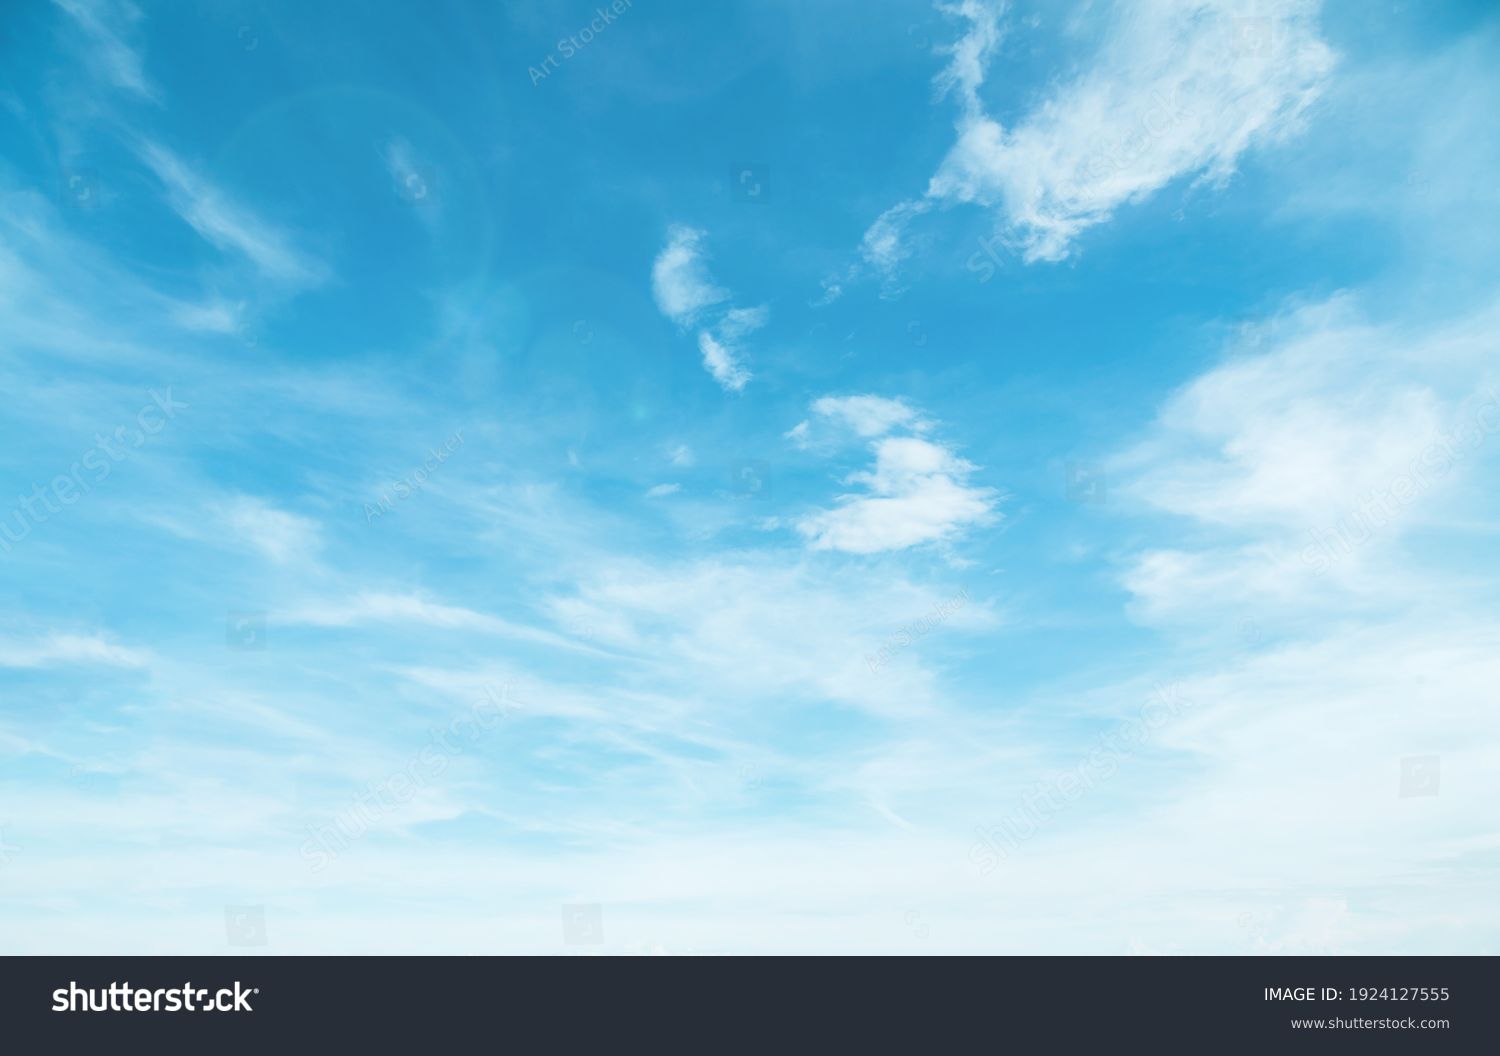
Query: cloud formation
point(280, 537)
point(684, 292)
point(679, 277)
point(106, 24)
point(1177, 88)
point(917, 491)
point(69, 650)
point(228, 225)
point(1306, 458)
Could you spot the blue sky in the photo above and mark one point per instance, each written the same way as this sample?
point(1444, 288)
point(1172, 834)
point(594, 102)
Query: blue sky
point(749, 477)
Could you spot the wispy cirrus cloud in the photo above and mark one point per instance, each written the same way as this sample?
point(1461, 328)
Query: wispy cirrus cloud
point(229, 226)
point(212, 316)
point(107, 24)
point(385, 608)
point(69, 649)
point(742, 627)
point(281, 537)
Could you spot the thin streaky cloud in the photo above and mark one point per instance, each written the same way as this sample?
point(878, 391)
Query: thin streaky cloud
point(229, 226)
point(385, 608)
point(69, 649)
point(106, 23)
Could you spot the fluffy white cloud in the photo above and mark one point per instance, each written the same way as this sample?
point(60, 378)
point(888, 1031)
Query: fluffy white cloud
point(680, 279)
point(917, 492)
point(867, 415)
point(1305, 458)
point(684, 291)
point(1177, 88)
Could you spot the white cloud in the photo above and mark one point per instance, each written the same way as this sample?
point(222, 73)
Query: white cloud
point(662, 490)
point(971, 53)
point(392, 608)
point(1290, 436)
point(884, 243)
point(680, 279)
point(229, 226)
point(1306, 458)
point(749, 629)
point(865, 416)
point(684, 291)
point(741, 322)
point(373, 607)
point(868, 415)
point(280, 536)
point(69, 649)
point(1220, 788)
point(1177, 88)
point(917, 492)
point(106, 24)
point(720, 361)
point(681, 455)
point(213, 317)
